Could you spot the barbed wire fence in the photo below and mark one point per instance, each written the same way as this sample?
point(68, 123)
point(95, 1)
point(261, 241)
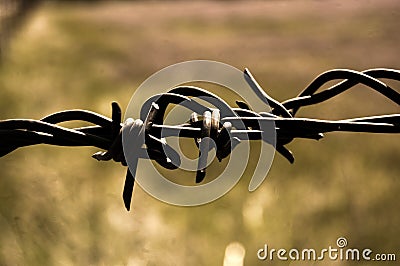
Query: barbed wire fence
point(220, 124)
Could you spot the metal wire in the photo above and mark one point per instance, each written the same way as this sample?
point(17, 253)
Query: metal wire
point(226, 125)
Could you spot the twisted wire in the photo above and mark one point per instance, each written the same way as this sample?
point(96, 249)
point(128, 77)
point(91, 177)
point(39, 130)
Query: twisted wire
point(227, 126)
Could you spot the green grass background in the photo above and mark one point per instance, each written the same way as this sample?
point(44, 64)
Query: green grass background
point(60, 207)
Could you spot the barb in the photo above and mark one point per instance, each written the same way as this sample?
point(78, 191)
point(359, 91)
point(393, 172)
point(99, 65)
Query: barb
point(227, 126)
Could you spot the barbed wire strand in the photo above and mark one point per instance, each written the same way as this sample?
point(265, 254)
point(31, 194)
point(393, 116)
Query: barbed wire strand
point(227, 126)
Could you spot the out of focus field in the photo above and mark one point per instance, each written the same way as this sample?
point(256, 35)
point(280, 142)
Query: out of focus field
point(60, 207)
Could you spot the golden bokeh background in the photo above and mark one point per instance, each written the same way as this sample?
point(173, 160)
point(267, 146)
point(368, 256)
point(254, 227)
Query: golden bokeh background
point(60, 207)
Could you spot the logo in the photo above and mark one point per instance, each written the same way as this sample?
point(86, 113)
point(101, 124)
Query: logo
point(339, 253)
point(226, 80)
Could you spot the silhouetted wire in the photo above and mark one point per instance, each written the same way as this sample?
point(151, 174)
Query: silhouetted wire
point(226, 125)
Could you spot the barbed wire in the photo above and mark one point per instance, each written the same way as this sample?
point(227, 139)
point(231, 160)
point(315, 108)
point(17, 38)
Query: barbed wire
point(224, 125)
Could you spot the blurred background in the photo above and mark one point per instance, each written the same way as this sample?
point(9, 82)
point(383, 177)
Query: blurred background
point(60, 207)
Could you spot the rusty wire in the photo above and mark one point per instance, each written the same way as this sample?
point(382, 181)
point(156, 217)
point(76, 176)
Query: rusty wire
point(219, 124)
